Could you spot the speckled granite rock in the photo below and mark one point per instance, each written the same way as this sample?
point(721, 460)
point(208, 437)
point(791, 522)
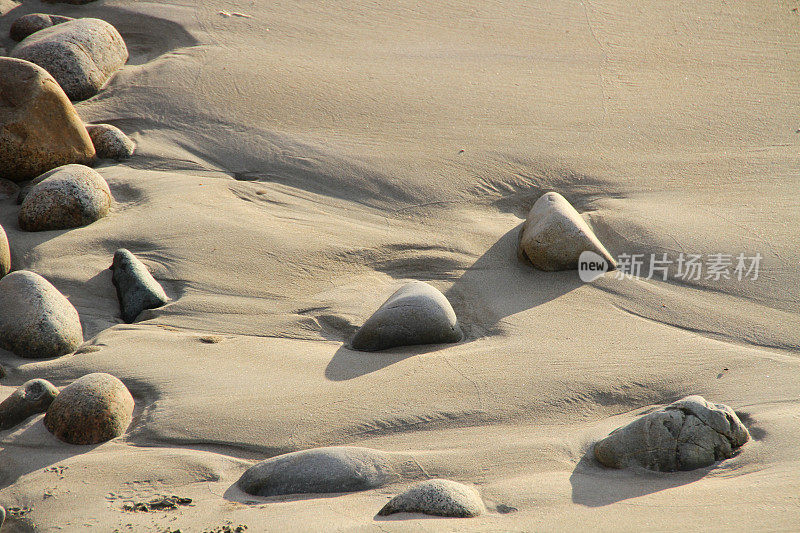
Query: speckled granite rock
point(33, 22)
point(68, 197)
point(438, 497)
point(82, 54)
point(32, 397)
point(110, 142)
point(137, 289)
point(39, 128)
point(37, 320)
point(90, 410)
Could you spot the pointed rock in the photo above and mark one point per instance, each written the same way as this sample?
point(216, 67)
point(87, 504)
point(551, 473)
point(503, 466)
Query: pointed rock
point(66, 197)
point(688, 434)
point(39, 127)
point(92, 409)
point(36, 321)
point(81, 54)
point(320, 470)
point(416, 314)
point(554, 235)
point(137, 289)
point(110, 142)
point(32, 397)
point(438, 497)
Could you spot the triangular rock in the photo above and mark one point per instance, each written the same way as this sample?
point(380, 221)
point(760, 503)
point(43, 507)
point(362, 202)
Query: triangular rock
point(416, 314)
point(137, 289)
point(554, 235)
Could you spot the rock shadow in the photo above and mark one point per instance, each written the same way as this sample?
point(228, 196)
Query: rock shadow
point(348, 363)
point(594, 485)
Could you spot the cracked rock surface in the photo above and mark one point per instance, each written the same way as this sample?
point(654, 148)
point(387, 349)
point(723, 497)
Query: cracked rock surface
point(688, 434)
point(32, 397)
point(438, 497)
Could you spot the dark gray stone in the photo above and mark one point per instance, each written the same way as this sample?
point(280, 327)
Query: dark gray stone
point(32, 397)
point(688, 434)
point(321, 470)
point(137, 289)
point(33, 22)
point(90, 410)
point(438, 497)
point(416, 314)
point(110, 142)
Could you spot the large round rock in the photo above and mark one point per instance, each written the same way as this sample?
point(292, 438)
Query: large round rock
point(416, 314)
point(688, 434)
point(67, 197)
point(438, 497)
point(321, 470)
point(81, 54)
point(39, 128)
point(5, 254)
point(36, 321)
point(93, 409)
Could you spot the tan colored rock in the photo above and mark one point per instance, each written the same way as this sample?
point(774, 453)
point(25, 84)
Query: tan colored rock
point(32, 397)
point(39, 128)
point(90, 410)
point(5, 254)
point(81, 54)
point(554, 235)
point(67, 197)
point(36, 320)
point(437, 497)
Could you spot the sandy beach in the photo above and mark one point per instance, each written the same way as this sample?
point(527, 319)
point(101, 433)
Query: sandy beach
point(298, 161)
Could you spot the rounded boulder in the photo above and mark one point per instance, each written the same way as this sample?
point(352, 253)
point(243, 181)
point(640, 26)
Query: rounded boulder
point(33, 22)
point(90, 410)
point(36, 321)
point(110, 142)
point(437, 497)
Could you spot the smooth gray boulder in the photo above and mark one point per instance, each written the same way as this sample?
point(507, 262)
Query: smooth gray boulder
point(5, 254)
point(66, 197)
point(110, 142)
point(90, 410)
point(33, 22)
point(137, 289)
point(554, 235)
point(416, 314)
point(39, 127)
point(32, 397)
point(36, 321)
point(438, 497)
point(82, 54)
point(320, 470)
point(688, 434)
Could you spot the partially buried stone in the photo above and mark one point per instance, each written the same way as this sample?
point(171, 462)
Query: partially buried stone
point(688, 434)
point(39, 127)
point(32, 397)
point(110, 142)
point(33, 22)
point(8, 189)
point(36, 321)
point(82, 54)
point(5, 254)
point(416, 314)
point(137, 289)
point(90, 410)
point(66, 197)
point(438, 497)
point(320, 470)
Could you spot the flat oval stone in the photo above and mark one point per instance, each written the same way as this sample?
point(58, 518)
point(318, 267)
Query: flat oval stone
point(554, 235)
point(320, 470)
point(416, 314)
point(36, 321)
point(90, 410)
point(32, 397)
point(438, 497)
point(66, 197)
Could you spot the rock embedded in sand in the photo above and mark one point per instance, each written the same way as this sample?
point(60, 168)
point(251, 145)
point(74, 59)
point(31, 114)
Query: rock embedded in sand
point(110, 142)
point(438, 497)
point(137, 289)
point(36, 321)
point(92, 409)
point(33, 22)
point(320, 470)
point(39, 128)
point(688, 434)
point(554, 235)
point(8, 189)
point(416, 314)
point(67, 197)
point(81, 54)
point(32, 397)
point(5, 254)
